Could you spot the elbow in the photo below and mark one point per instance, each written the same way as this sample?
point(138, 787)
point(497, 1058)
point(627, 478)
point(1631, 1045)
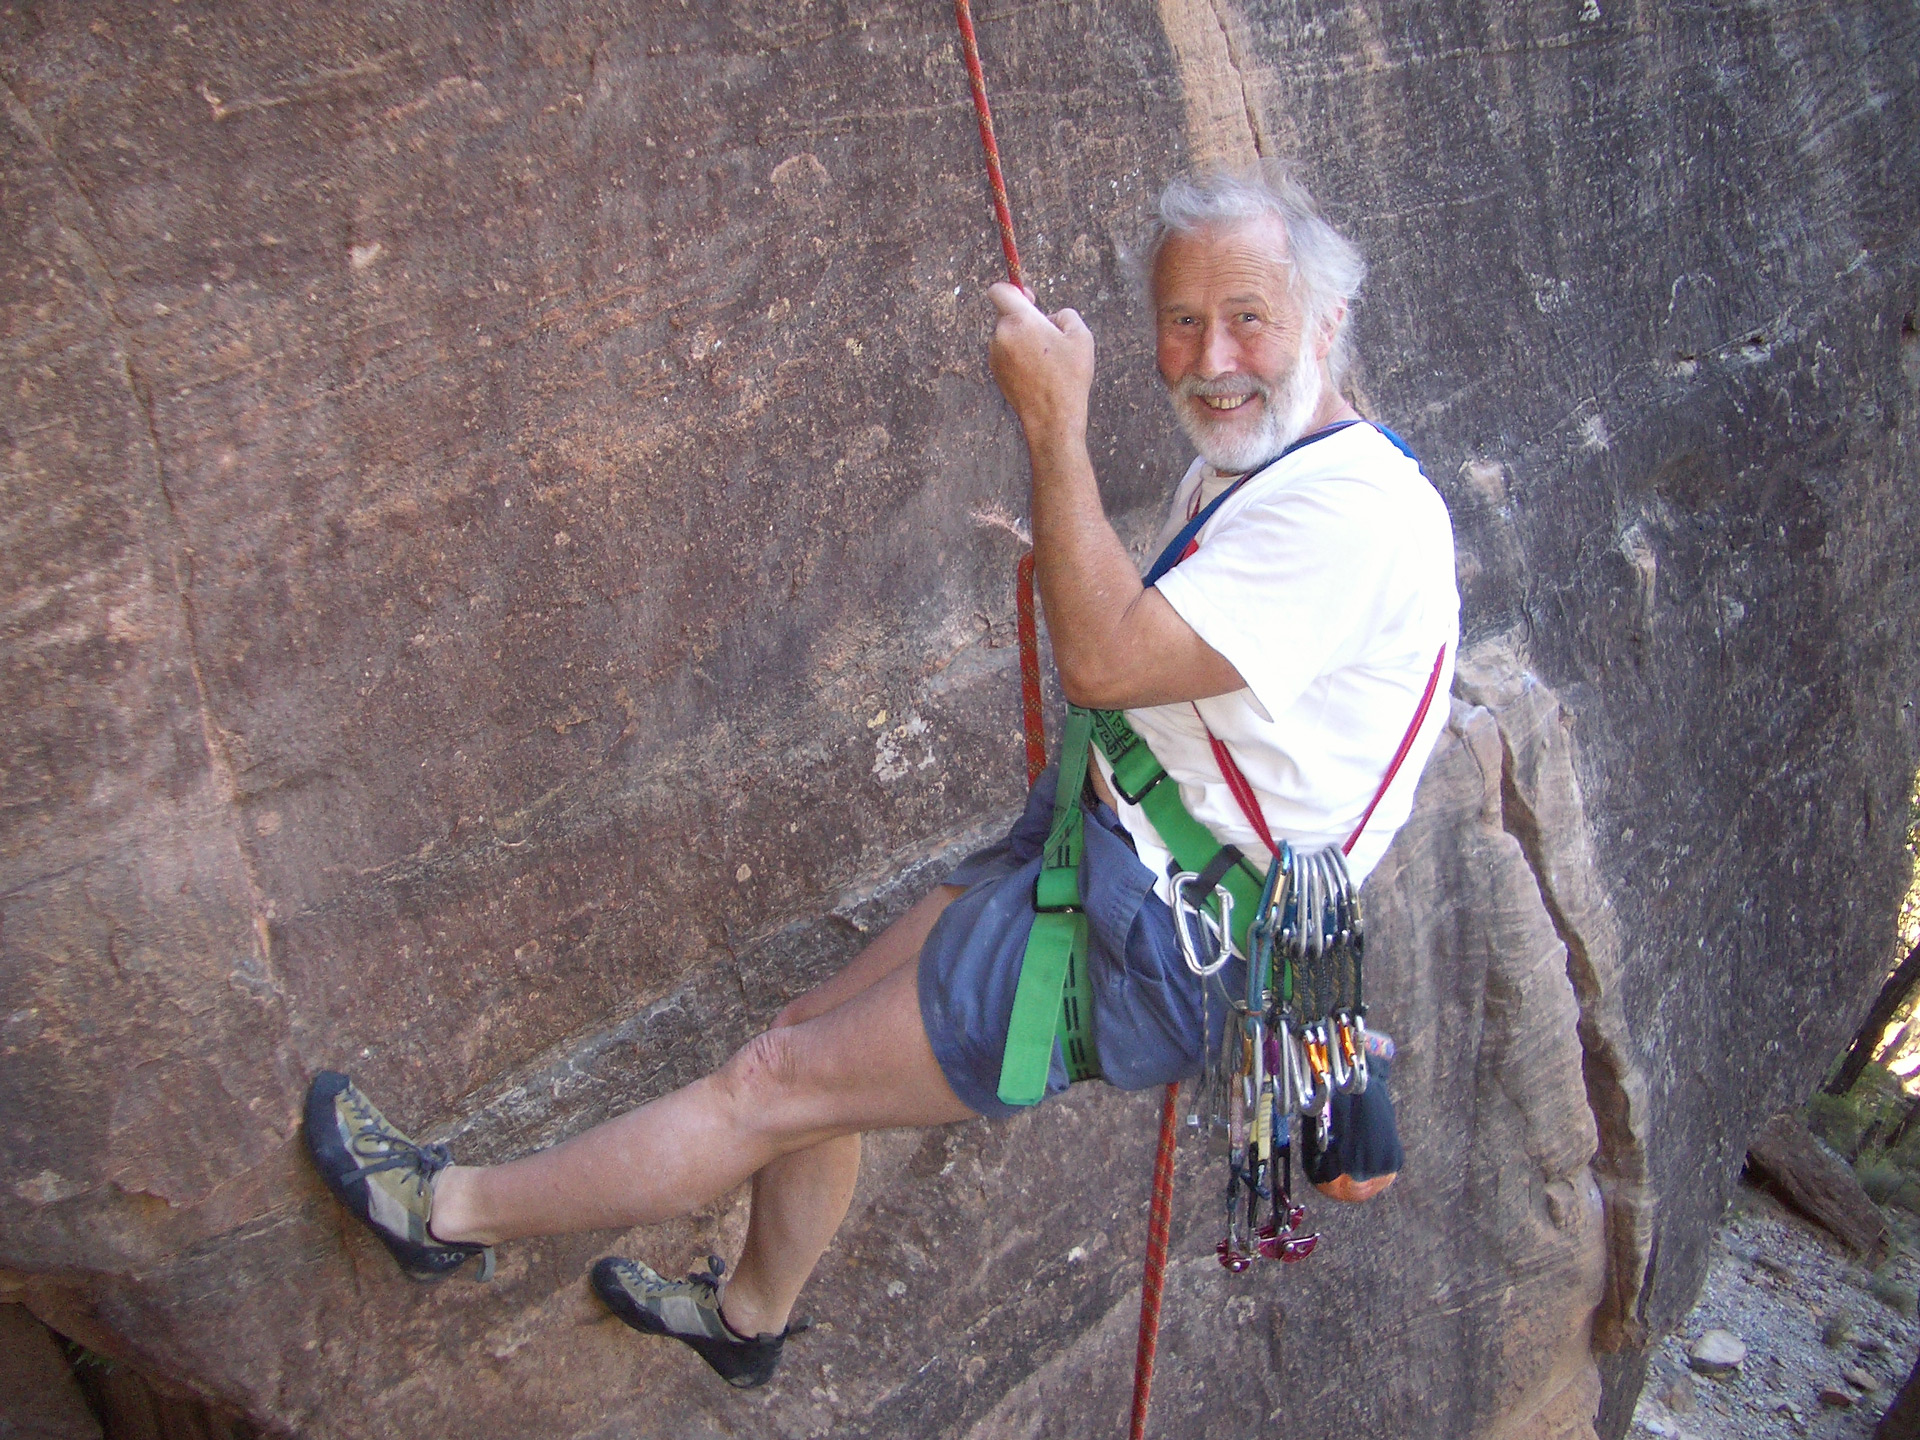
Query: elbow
point(1092, 686)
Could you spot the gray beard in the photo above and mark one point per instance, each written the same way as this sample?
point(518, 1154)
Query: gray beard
point(1285, 416)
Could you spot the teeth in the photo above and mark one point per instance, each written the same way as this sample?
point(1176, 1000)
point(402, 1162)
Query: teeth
point(1224, 402)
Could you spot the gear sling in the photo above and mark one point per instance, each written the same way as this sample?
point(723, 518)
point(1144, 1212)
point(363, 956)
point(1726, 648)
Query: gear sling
point(1054, 998)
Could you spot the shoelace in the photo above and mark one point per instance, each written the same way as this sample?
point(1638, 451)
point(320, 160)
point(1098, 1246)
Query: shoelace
point(422, 1162)
point(709, 1278)
point(425, 1161)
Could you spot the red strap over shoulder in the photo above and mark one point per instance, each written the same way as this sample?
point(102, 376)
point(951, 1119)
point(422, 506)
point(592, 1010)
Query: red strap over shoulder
point(1242, 789)
point(1400, 755)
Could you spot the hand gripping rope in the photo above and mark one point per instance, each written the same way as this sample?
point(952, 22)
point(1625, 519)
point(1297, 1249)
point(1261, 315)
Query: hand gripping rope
point(1033, 723)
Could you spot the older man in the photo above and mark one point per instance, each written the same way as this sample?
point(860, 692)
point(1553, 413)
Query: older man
point(1283, 652)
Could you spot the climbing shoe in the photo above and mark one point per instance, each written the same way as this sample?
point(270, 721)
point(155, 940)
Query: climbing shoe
point(382, 1177)
point(689, 1311)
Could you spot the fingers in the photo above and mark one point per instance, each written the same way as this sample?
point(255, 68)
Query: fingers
point(1009, 300)
point(1012, 301)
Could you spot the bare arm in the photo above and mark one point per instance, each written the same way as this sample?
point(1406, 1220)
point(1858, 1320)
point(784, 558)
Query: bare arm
point(1118, 644)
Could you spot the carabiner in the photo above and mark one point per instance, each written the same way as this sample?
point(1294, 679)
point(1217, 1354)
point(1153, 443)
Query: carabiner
point(1342, 897)
point(1350, 1041)
point(1317, 1095)
point(1339, 1063)
point(1218, 932)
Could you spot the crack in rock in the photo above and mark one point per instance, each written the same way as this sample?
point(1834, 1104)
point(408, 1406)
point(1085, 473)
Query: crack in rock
point(1541, 808)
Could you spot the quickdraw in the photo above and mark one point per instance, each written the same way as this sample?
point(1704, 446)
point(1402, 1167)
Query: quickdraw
point(1295, 1039)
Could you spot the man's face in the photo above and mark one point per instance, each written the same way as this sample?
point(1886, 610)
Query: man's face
point(1244, 372)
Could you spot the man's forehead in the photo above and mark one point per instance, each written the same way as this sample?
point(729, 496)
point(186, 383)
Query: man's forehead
point(1254, 251)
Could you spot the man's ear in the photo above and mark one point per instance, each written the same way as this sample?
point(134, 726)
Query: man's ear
point(1329, 327)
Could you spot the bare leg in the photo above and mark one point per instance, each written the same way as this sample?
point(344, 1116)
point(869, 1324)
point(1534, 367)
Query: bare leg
point(800, 1199)
point(789, 1093)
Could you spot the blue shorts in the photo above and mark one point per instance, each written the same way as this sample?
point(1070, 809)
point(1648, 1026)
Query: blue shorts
point(1148, 1015)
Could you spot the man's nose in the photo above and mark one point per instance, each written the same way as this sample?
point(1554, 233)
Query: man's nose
point(1218, 354)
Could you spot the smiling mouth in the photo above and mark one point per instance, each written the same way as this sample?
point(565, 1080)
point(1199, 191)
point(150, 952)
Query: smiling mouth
point(1223, 402)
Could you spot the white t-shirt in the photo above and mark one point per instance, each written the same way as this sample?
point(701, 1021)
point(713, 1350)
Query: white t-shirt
point(1327, 581)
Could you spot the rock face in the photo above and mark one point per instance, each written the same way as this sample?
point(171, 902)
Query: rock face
point(38, 1396)
point(499, 590)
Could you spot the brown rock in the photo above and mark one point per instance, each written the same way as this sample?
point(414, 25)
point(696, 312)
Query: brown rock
point(1678, 1395)
point(1717, 1352)
point(1836, 1398)
point(1785, 1159)
point(474, 479)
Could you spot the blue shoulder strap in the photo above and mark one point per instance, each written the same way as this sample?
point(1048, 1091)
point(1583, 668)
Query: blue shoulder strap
point(1177, 547)
point(1398, 444)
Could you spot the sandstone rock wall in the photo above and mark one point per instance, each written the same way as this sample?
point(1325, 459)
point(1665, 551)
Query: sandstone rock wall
point(499, 588)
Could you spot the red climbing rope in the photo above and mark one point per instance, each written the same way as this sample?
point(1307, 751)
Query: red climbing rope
point(1033, 720)
point(1033, 724)
point(963, 13)
point(1159, 1222)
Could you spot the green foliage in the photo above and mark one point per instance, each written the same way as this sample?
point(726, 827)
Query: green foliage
point(1880, 1180)
point(1837, 1119)
point(80, 1359)
point(1907, 1153)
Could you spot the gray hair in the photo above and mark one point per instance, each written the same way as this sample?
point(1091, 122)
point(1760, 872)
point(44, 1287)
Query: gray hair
point(1327, 270)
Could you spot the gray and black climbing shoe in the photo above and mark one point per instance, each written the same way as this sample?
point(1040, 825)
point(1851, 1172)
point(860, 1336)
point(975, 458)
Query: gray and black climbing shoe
point(689, 1311)
point(382, 1177)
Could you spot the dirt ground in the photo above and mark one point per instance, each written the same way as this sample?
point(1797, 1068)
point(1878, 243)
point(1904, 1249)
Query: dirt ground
point(1813, 1320)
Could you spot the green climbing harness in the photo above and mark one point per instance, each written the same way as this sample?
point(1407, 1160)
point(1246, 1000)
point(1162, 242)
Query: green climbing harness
point(1054, 999)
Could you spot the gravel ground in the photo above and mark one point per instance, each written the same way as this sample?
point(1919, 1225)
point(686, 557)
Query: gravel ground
point(1812, 1324)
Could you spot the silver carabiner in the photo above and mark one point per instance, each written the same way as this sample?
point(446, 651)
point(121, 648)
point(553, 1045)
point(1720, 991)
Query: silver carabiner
point(1318, 870)
point(1338, 1070)
point(1293, 1070)
point(1344, 906)
point(1218, 932)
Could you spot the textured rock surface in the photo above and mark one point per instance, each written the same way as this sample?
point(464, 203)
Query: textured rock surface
point(1717, 1353)
point(490, 557)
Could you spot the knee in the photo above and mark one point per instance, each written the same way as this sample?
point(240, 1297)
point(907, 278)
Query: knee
point(762, 1072)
